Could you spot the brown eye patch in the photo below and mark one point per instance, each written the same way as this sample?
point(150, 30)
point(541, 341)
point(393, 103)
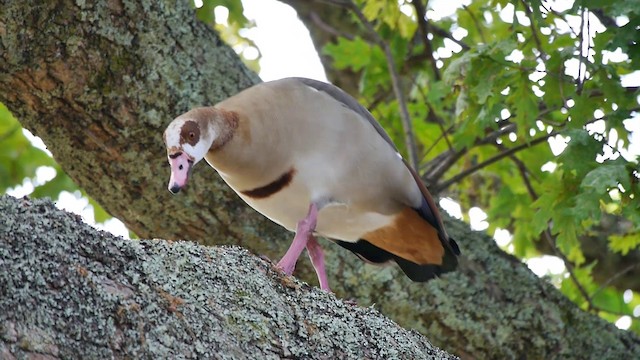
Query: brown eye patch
point(190, 133)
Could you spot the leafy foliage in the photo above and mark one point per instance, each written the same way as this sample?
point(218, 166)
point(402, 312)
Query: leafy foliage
point(230, 27)
point(529, 103)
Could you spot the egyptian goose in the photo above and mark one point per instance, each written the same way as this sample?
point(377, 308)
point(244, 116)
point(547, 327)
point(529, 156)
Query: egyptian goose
point(309, 157)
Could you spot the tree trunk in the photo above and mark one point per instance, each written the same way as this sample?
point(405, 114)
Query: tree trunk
point(99, 82)
point(69, 291)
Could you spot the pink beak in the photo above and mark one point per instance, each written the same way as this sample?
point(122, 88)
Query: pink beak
point(181, 165)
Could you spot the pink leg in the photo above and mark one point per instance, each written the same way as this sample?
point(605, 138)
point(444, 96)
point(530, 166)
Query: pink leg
point(317, 259)
point(304, 230)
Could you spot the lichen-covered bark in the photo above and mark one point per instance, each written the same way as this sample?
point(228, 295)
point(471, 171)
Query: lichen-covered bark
point(70, 291)
point(99, 81)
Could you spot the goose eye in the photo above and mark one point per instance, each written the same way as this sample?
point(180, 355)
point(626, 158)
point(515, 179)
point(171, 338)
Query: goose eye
point(192, 135)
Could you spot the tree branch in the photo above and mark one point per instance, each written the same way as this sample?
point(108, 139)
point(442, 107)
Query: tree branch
point(445, 184)
point(328, 28)
point(581, 56)
point(436, 30)
point(524, 172)
point(409, 137)
point(421, 14)
point(614, 277)
point(95, 296)
point(534, 32)
point(475, 22)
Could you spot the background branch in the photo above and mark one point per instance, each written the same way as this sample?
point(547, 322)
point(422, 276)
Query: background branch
point(456, 178)
point(409, 137)
point(423, 27)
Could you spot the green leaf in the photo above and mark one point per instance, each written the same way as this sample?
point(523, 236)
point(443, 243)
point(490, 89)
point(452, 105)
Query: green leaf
point(526, 105)
point(406, 26)
point(354, 54)
point(585, 279)
point(455, 73)
point(606, 177)
point(624, 243)
point(580, 154)
point(372, 9)
point(565, 226)
point(19, 159)
point(582, 110)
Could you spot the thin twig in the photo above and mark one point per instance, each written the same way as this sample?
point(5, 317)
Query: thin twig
point(568, 265)
point(378, 98)
point(395, 82)
point(424, 32)
point(433, 117)
point(471, 170)
point(443, 135)
point(475, 22)
point(447, 159)
point(559, 16)
point(534, 32)
point(438, 120)
point(442, 163)
point(614, 278)
point(341, 3)
point(581, 54)
point(524, 172)
point(438, 166)
point(436, 30)
point(328, 28)
point(492, 137)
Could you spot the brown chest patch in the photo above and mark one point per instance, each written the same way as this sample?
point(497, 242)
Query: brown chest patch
point(272, 187)
point(410, 237)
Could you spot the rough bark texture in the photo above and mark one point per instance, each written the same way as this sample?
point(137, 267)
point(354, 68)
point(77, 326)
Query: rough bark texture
point(70, 291)
point(103, 79)
point(98, 82)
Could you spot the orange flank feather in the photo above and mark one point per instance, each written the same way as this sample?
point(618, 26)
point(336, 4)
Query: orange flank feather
point(410, 237)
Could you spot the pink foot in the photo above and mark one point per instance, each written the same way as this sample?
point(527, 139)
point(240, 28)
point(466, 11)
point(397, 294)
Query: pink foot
point(304, 230)
point(317, 259)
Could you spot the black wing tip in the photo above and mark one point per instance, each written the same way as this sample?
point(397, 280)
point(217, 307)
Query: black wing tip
point(367, 251)
point(416, 272)
point(421, 273)
point(424, 273)
point(454, 246)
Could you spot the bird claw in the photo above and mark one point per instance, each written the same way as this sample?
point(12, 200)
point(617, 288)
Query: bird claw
point(286, 267)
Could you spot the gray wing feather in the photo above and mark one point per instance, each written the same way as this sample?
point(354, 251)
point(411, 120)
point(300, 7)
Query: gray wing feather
point(351, 103)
